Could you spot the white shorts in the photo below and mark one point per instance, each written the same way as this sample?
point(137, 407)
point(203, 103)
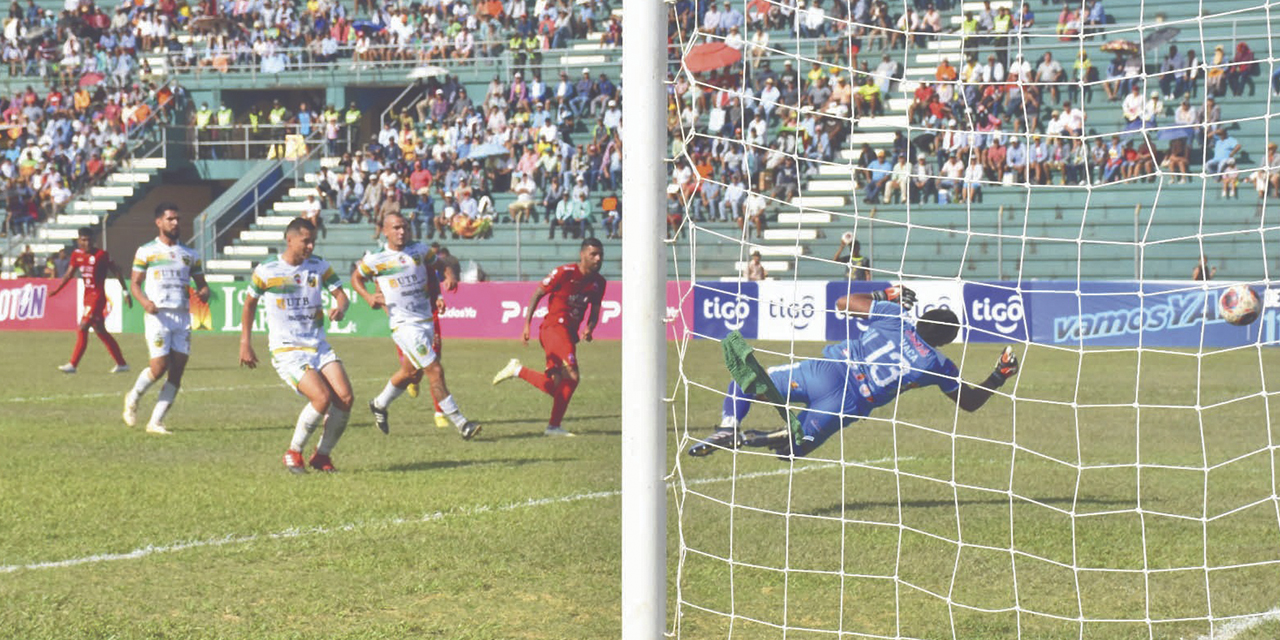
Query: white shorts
point(167, 330)
point(292, 364)
point(415, 342)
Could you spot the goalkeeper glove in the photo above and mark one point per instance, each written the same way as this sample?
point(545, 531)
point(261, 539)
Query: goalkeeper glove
point(899, 294)
point(1006, 367)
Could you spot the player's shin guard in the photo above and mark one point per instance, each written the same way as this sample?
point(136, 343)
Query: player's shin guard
point(82, 341)
point(563, 394)
point(388, 395)
point(308, 420)
point(538, 379)
point(144, 382)
point(450, 409)
point(334, 424)
point(112, 346)
point(168, 393)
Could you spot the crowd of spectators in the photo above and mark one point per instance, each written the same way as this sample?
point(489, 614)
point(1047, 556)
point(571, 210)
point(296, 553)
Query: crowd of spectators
point(527, 151)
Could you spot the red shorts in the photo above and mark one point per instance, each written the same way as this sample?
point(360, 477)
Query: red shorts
point(95, 306)
point(559, 344)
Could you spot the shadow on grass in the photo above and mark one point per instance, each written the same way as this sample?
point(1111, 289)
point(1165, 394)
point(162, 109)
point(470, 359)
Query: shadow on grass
point(431, 465)
point(835, 509)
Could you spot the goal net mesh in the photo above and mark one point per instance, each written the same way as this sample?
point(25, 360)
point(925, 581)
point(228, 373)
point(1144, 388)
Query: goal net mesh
point(1077, 181)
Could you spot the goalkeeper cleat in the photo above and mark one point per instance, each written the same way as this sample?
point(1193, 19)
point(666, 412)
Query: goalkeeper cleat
point(442, 420)
point(380, 418)
point(130, 414)
point(158, 429)
point(293, 462)
point(721, 439)
point(559, 432)
point(120, 368)
point(780, 439)
point(510, 371)
point(412, 389)
point(67, 368)
point(469, 429)
point(320, 462)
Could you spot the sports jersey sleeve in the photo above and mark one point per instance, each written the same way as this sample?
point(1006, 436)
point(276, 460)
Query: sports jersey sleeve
point(330, 279)
point(945, 374)
point(257, 286)
point(197, 266)
point(365, 270)
point(140, 259)
point(554, 279)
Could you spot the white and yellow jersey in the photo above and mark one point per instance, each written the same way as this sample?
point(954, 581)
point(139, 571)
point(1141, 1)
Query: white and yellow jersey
point(167, 270)
point(293, 302)
point(402, 278)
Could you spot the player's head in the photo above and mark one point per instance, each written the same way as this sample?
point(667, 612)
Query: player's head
point(299, 239)
point(938, 327)
point(591, 255)
point(397, 230)
point(84, 238)
point(167, 220)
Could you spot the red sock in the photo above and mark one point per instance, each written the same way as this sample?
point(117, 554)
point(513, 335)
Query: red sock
point(563, 394)
point(112, 347)
point(539, 380)
point(82, 338)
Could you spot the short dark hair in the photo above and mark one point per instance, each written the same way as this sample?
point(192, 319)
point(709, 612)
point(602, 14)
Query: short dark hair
point(591, 242)
point(86, 232)
point(165, 206)
point(938, 327)
point(299, 224)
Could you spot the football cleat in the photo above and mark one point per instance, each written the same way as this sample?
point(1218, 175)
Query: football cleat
point(320, 462)
point(67, 368)
point(510, 371)
point(559, 432)
point(469, 430)
point(293, 462)
point(158, 429)
point(120, 368)
point(442, 421)
point(380, 418)
point(130, 414)
point(721, 439)
point(412, 389)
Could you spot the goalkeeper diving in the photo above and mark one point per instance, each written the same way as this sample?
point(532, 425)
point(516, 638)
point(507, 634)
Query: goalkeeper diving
point(852, 378)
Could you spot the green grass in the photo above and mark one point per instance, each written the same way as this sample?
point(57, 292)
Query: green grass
point(516, 536)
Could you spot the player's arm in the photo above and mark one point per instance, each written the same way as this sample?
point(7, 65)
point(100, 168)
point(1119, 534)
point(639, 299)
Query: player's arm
point(971, 397)
point(859, 304)
point(135, 286)
point(66, 277)
point(340, 309)
point(115, 273)
point(375, 300)
point(202, 286)
point(593, 318)
point(247, 357)
point(538, 294)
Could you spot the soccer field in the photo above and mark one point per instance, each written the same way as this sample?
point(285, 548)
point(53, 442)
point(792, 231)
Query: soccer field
point(108, 532)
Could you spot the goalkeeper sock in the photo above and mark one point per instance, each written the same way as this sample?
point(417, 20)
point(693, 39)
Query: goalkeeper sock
point(144, 382)
point(736, 403)
point(538, 379)
point(168, 393)
point(308, 420)
point(450, 409)
point(334, 424)
point(563, 394)
point(388, 395)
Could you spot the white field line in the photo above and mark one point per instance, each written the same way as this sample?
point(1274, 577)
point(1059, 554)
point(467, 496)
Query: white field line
point(271, 384)
point(1235, 628)
point(232, 539)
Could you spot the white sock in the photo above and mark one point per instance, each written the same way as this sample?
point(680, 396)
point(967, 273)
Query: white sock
point(728, 422)
point(308, 420)
point(388, 395)
point(334, 424)
point(167, 394)
point(450, 408)
point(144, 382)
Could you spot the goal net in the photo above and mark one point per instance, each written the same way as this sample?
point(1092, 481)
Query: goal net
point(1079, 182)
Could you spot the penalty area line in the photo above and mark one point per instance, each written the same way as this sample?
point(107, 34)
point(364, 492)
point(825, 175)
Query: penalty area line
point(232, 539)
point(1235, 628)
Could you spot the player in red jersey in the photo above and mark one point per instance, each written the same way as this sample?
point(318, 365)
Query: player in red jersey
point(93, 265)
point(572, 289)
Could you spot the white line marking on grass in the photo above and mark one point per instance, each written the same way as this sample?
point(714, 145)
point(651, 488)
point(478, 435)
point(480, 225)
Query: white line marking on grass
point(120, 394)
point(1233, 629)
point(150, 550)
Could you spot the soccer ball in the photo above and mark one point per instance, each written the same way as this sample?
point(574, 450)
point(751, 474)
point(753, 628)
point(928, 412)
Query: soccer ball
point(847, 237)
point(1239, 305)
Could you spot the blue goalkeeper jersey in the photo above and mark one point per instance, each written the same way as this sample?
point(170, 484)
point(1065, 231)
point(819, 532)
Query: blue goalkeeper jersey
point(889, 358)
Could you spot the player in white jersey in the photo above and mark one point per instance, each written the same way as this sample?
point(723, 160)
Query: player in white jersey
point(291, 290)
point(401, 275)
point(162, 269)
